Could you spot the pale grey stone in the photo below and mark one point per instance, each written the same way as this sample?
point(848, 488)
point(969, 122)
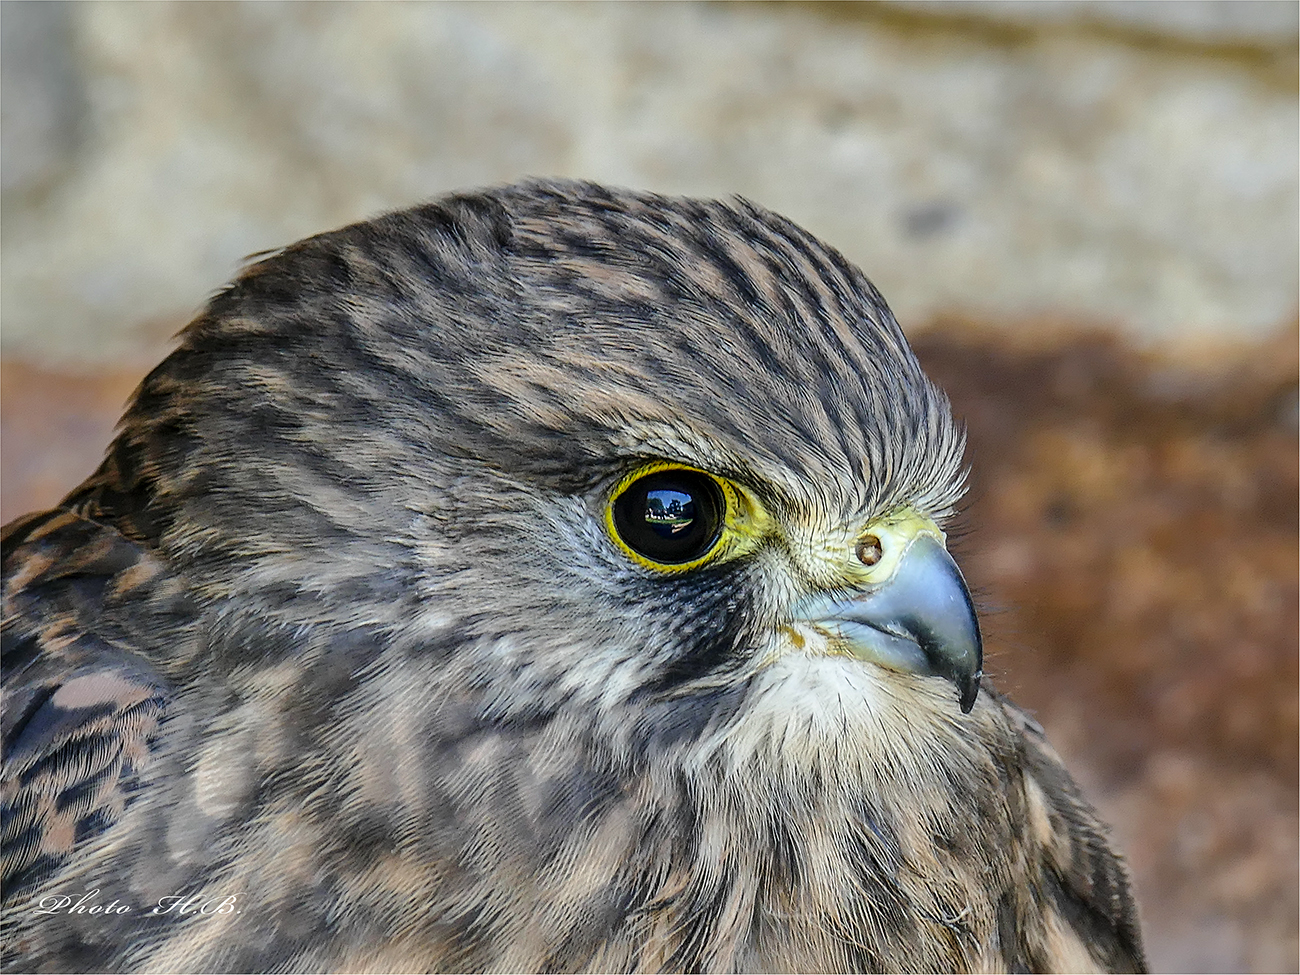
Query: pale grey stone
point(1063, 173)
point(1263, 22)
point(41, 98)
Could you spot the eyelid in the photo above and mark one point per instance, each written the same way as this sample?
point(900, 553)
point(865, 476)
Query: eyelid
point(654, 467)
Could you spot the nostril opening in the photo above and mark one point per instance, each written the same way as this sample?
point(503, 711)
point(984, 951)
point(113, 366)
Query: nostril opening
point(869, 551)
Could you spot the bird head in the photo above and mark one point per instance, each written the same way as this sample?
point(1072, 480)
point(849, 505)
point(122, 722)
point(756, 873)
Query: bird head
point(664, 466)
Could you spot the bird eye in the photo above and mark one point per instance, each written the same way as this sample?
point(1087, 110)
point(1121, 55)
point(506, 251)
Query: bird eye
point(671, 517)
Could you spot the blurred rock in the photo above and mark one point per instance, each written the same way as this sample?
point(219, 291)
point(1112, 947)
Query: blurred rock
point(1227, 22)
point(42, 100)
point(1034, 166)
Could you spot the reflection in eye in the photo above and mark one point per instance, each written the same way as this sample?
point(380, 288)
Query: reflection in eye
point(670, 516)
point(669, 512)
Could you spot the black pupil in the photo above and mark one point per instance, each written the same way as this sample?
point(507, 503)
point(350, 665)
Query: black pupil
point(670, 516)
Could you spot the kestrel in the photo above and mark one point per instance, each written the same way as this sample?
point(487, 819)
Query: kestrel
point(547, 578)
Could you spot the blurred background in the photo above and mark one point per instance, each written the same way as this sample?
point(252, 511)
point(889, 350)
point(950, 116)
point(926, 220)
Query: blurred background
point(1083, 213)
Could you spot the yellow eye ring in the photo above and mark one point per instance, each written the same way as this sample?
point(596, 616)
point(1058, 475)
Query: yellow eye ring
point(673, 518)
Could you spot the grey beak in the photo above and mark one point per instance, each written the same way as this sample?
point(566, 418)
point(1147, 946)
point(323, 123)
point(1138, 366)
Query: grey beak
point(920, 621)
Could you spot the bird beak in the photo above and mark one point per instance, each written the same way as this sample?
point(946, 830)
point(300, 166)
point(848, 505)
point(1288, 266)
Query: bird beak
point(919, 621)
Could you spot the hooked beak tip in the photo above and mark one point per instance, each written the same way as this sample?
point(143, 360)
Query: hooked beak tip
point(921, 620)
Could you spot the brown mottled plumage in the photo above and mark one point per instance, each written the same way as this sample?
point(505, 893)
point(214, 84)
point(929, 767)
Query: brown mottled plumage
point(340, 642)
